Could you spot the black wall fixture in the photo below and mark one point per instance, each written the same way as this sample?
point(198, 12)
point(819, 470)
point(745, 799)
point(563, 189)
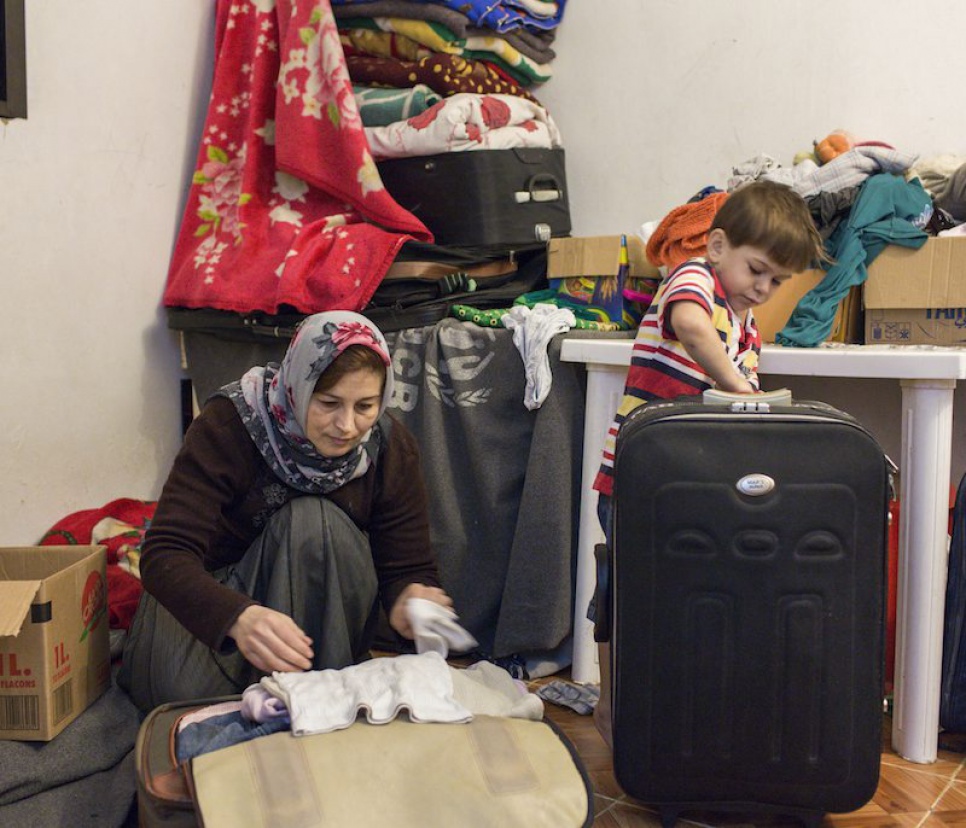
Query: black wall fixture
point(13, 60)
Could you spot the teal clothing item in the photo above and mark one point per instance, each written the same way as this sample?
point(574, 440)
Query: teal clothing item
point(381, 107)
point(887, 210)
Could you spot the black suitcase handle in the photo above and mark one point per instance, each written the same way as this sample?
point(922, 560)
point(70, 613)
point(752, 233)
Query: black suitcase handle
point(602, 594)
point(542, 188)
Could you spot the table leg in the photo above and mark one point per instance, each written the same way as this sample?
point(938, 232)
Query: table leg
point(605, 386)
point(924, 474)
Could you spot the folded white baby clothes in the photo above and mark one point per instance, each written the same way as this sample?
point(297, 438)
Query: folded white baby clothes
point(435, 628)
point(487, 690)
point(321, 701)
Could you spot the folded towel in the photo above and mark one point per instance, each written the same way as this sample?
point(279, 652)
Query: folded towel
point(321, 701)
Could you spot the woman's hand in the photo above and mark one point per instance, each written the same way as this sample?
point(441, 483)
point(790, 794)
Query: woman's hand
point(271, 640)
point(399, 618)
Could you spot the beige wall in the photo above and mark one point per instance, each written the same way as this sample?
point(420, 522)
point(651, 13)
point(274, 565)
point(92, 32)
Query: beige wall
point(91, 191)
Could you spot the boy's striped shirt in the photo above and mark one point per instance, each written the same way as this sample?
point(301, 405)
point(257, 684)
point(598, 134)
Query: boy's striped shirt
point(660, 366)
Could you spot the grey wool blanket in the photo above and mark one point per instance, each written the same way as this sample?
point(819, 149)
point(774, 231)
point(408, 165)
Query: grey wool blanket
point(83, 778)
point(504, 482)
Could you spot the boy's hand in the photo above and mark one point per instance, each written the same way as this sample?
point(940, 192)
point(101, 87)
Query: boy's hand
point(695, 331)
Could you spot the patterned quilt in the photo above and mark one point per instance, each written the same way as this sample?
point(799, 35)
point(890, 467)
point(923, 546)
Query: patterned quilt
point(286, 207)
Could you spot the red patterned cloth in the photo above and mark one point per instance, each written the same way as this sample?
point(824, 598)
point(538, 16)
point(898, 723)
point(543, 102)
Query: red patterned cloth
point(286, 206)
point(119, 526)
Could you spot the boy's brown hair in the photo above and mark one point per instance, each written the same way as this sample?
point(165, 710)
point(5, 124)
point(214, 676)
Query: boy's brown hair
point(775, 219)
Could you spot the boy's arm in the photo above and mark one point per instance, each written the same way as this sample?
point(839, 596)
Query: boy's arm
point(694, 330)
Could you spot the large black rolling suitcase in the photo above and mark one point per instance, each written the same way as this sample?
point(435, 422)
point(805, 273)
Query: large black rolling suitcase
point(746, 604)
point(952, 689)
point(489, 199)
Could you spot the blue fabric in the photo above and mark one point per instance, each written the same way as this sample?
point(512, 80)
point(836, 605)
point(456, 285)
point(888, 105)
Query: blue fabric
point(499, 15)
point(887, 210)
point(222, 731)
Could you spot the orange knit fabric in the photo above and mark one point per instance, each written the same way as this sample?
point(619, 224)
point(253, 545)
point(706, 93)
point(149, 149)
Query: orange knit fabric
point(683, 233)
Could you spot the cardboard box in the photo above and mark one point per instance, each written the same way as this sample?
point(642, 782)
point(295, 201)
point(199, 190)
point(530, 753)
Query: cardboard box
point(597, 256)
point(587, 269)
point(775, 313)
point(917, 297)
point(54, 649)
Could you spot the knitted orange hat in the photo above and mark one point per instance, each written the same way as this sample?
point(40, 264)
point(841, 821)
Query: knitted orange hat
point(683, 233)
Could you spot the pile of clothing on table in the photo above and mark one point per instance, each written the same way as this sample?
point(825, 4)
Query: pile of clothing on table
point(863, 195)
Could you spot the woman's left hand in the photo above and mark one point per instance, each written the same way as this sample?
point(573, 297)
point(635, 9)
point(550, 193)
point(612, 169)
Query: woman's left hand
point(399, 618)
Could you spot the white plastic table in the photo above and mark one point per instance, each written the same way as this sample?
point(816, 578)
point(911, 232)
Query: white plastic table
point(928, 377)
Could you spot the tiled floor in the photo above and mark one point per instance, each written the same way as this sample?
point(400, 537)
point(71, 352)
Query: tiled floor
point(909, 794)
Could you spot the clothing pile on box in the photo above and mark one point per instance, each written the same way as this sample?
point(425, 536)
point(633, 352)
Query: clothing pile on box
point(866, 198)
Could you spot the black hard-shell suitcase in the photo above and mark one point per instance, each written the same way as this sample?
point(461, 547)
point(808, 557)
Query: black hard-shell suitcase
point(484, 198)
point(745, 596)
point(952, 695)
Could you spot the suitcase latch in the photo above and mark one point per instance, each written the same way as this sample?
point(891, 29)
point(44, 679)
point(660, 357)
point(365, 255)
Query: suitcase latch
point(750, 407)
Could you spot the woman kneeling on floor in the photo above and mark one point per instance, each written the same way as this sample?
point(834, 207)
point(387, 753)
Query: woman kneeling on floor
point(295, 505)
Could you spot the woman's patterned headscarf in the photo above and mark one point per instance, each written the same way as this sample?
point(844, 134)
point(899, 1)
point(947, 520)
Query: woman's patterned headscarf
point(273, 402)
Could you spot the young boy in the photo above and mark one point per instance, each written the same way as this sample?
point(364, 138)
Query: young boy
point(699, 331)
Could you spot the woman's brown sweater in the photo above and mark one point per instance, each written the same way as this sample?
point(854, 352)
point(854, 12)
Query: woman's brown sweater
point(220, 494)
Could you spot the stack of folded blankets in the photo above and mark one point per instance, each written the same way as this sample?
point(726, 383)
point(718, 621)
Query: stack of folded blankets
point(472, 64)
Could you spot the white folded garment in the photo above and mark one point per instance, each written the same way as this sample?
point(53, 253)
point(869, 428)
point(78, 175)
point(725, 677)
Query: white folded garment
point(487, 690)
point(321, 701)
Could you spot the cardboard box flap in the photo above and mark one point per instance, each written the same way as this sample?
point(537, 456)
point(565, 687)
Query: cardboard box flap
point(774, 314)
point(15, 600)
point(934, 276)
point(597, 256)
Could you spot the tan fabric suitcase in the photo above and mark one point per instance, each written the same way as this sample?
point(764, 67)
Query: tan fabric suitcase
point(492, 771)
point(162, 794)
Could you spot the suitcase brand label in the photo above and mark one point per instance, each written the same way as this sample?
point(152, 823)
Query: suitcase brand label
point(756, 484)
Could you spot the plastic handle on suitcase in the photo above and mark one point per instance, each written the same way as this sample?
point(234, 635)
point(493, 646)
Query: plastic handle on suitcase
point(602, 596)
point(748, 402)
point(540, 188)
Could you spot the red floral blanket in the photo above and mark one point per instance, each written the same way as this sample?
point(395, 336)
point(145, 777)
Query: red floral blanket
point(119, 526)
point(286, 206)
